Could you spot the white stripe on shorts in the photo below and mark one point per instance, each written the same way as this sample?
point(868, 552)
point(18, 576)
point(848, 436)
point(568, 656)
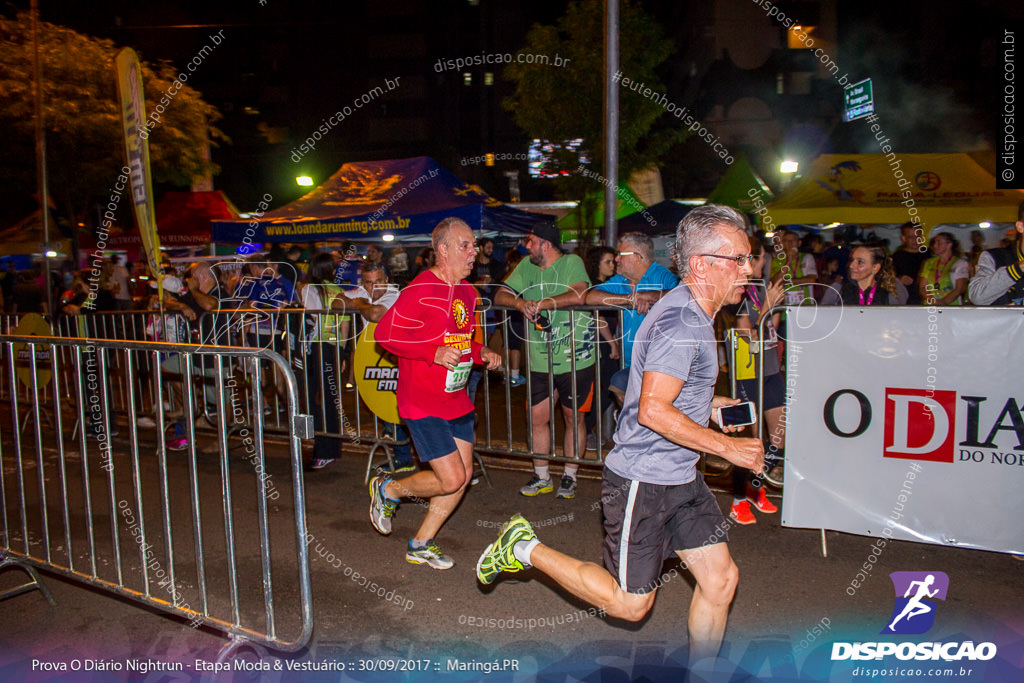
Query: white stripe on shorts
point(627, 523)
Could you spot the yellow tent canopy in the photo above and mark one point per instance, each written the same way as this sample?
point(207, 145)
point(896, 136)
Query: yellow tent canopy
point(26, 237)
point(894, 188)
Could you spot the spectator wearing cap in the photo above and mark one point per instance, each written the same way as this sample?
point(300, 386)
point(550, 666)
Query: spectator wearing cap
point(999, 280)
point(540, 285)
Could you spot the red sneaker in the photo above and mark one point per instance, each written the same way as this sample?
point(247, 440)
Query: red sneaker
point(761, 502)
point(741, 513)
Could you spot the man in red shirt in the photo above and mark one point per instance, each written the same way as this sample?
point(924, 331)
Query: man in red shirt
point(430, 329)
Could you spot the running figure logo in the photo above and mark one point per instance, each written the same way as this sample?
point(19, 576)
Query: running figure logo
point(914, 612)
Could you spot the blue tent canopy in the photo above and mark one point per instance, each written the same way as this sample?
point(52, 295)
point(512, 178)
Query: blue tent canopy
point(405, 198)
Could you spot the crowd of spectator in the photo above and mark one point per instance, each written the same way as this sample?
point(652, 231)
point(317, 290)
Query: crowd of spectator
point(533, 284)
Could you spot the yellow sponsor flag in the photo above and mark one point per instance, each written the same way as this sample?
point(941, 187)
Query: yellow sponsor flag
point(136, 150)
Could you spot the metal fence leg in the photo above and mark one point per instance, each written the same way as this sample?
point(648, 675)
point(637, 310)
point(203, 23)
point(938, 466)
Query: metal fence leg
point(369, 460)
point(483, 470)
point(36, 582)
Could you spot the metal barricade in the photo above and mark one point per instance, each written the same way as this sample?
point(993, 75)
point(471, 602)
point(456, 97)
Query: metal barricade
point(501, 429)
point(288, 331)
point(757, 349)
point(145, 325)
point(516, 444)
point(165, 516)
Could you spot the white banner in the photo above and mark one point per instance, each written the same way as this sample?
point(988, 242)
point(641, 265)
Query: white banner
point(906, 423)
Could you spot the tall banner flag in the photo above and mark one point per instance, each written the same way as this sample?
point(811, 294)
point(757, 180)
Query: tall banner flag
point(136, 149)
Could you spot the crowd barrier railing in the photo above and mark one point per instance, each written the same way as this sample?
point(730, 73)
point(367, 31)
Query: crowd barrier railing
point(499, 431)
point(502, 430)
point(167, 516)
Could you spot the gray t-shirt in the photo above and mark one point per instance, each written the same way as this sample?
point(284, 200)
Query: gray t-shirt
point(676, 338)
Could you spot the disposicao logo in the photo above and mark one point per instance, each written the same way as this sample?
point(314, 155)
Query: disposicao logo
point(916, 596)
point(916, 592)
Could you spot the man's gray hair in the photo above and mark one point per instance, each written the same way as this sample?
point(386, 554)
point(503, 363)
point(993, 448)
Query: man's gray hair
point(440, 234)
point(374, 267)
point(641, 243)
point(702, 231)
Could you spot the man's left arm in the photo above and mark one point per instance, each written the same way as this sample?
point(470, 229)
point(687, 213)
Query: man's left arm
point(574, 296)
point(989, 283)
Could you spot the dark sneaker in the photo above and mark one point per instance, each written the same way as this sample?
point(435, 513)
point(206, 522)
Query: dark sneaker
point(536, 486)
point(382, 508)
point(320, 463)
point(567, 488)
point(499, 557)
point(430, 555)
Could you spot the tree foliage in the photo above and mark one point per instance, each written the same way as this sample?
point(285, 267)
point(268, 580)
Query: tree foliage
point(563, 103)
point(81, 114)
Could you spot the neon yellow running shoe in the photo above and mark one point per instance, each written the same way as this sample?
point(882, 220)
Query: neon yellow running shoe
point(498, 556)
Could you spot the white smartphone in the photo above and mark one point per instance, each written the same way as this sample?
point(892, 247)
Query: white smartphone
point(739, 415)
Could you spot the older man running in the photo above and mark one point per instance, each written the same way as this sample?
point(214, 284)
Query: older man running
point(430, 329)
point(656, 503)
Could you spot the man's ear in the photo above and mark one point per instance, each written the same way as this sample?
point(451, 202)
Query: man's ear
point(698, 265)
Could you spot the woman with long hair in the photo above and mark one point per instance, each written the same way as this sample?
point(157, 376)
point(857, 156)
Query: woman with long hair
point(600, 267)
point(871, 280)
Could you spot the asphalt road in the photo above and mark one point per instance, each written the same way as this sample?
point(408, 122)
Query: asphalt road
point(792, 604)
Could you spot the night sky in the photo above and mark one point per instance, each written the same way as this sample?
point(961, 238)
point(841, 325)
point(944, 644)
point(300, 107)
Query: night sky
point(285, 65)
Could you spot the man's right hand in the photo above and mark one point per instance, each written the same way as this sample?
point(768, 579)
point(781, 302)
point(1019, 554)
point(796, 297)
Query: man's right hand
point(447, 357)
point(745, 452)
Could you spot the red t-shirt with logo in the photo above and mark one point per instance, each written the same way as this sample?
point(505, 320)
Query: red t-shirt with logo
point(430, 313)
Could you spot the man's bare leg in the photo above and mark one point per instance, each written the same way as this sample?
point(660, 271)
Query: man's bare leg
point(717, 577)
point(441, 506)
point(541, 419)
point(446, 475)
point(573, 448)
point(591, 583)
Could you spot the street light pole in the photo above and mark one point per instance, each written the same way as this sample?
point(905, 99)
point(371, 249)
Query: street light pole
point(611, 119)
point(43, 189)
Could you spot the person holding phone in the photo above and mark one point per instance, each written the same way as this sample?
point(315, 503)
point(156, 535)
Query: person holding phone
point(759, 297)
point(656, 504)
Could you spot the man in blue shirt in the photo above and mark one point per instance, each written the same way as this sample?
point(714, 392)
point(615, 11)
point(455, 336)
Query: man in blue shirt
point(262, 287)
point(638, 283)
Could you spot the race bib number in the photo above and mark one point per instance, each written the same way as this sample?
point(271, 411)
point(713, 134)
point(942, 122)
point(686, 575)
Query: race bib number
point(458, 377)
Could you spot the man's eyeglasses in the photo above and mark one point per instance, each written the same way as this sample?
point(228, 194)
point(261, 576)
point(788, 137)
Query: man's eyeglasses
point(630, 253)
point(740, 260)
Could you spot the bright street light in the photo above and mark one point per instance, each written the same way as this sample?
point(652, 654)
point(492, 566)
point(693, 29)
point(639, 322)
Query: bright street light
point(788, 166)
point(304, 180)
